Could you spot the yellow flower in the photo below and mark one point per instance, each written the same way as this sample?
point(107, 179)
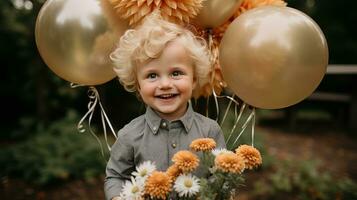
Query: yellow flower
point(203, 144)
point(251, 156)
point(158, 185)
point(185, 161)
point(173, 172)
point(229, 162)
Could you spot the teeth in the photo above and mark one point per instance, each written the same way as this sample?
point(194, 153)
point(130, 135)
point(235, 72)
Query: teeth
point(165, 96)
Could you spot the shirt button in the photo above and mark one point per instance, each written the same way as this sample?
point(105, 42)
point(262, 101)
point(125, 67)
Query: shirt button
point(164, 124)
point(154, 128)
point(173, 145)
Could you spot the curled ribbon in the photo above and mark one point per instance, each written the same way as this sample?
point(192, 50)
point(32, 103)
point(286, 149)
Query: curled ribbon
point(94, 100)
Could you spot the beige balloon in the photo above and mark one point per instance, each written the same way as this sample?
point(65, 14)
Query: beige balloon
point(215, 12)
point(273, 57)
point(75, 39)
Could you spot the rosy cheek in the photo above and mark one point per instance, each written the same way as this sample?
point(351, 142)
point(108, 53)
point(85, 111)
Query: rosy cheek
point(148, 88)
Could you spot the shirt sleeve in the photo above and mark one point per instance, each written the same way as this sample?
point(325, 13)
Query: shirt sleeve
point(119, 167)
point(217, 134)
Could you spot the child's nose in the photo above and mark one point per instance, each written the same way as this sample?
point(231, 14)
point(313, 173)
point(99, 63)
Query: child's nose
point(165, 83)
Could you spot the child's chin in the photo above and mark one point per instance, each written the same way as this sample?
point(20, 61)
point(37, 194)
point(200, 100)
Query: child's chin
point(167, 111)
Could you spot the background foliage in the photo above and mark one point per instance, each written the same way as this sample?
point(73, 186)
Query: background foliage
point(39, 142)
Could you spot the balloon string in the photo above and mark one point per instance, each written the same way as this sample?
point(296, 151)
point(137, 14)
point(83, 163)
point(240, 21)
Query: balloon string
point(251, 116)
point(227, 109)
point(105, 119)
point(217, 106)
point(253, 125)
point(235, 111)
point(227, 97)
point(91, 105)
point(75, 85)
point(236, 122)
point(216, 103)
point(94, 99)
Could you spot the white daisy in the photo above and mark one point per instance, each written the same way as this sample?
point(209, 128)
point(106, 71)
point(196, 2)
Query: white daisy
point(217, 152)
point(131, 190)
point(187, 185)
point(143, 171)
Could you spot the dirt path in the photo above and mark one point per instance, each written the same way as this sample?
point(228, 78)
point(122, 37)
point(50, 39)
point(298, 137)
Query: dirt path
point(336, 151)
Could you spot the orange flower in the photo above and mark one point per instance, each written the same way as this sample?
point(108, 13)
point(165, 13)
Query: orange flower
point(203, 144)
point(229, 162)
point(251, 156)
point(173, 172)
point(185, 161)
point(158, 185)
point(173, 10)
point(179, 11)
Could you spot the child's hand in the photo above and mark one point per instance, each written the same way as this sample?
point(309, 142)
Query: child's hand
point(116, 198)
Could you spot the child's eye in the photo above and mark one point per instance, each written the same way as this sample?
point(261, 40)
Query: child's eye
point(177, 73)
point(151, 76)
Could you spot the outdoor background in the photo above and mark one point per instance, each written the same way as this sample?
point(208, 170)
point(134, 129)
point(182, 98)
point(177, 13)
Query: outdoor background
point(309, 150)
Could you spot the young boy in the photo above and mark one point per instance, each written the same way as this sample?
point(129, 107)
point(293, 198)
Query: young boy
point(165, 64)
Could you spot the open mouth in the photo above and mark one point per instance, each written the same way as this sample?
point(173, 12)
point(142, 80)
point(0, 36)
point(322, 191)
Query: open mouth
point(166, 96)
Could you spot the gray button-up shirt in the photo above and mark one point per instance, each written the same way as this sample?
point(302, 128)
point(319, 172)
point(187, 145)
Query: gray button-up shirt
point(149, 137)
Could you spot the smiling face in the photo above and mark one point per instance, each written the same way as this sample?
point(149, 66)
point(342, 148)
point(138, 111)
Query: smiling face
point(166, 83)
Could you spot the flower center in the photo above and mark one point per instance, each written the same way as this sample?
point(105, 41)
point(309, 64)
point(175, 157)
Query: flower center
point(135, 189)
point(143, 172)
point(187, 183)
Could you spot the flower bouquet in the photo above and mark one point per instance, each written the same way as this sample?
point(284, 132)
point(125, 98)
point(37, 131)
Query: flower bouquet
point(222, 168)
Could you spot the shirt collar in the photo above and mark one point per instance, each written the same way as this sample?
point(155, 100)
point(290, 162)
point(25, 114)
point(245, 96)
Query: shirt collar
point(154, 120)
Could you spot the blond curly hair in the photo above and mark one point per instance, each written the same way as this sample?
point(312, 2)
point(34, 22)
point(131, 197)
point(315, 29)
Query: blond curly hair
point(147, 42)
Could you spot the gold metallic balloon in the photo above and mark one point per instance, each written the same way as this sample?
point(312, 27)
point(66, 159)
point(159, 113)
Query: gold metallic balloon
point(75, 40)
point(215, 12)
point(273, 57)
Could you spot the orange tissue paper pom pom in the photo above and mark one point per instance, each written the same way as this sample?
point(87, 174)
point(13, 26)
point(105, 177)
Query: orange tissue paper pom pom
point(178, 11)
